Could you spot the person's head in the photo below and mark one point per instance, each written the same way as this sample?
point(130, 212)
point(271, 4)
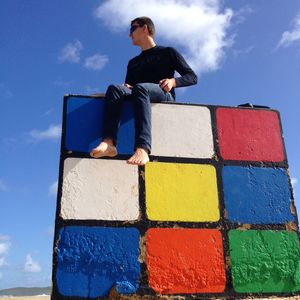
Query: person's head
point(144, 22)
point(141, 28)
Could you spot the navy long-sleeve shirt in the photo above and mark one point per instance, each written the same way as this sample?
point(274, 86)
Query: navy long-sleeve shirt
point(157, 63)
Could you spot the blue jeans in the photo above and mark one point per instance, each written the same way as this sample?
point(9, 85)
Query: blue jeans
point(141, 95)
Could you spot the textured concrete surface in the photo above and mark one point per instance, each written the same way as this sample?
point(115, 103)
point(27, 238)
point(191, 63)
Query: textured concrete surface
point(185, 260)
point(181, 192)
point(99, 189)
point(257, 195)
point(252, 135)
point(103, 258)
point(265, 261)
point(181, 131)
point(93, 260)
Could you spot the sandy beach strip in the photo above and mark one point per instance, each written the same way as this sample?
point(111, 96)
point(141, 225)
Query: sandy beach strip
point(27, 298)
point(48, 298)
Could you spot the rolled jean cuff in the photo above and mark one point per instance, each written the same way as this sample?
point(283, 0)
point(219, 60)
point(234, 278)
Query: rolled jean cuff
point(114, 140)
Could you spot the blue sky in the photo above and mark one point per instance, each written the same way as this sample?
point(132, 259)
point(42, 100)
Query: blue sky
point(243, 51)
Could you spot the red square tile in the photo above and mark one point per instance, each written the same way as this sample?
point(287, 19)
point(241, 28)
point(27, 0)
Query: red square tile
point(249, 135)
point(185, 261)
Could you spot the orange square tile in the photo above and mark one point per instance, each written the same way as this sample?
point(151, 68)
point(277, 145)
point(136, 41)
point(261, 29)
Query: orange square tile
point(185, 261)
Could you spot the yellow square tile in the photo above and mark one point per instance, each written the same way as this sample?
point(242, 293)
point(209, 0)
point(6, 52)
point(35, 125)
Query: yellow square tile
point(181, 192)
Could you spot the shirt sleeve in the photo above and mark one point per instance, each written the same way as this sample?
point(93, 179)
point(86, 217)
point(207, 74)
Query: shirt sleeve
point(129, 79)
point(188, 76)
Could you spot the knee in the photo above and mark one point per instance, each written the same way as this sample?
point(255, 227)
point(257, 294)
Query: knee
point(112, 88)
point(113, 92)
point(140, 88)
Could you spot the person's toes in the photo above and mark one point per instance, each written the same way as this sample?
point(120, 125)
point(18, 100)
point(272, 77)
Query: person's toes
point(133, 160)
point(129, 161)
point(92, 153)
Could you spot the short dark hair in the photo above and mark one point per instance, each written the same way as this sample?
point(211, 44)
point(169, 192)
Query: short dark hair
point(145, 21)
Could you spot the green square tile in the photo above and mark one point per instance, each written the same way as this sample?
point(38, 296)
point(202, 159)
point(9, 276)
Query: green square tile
point(264, 261)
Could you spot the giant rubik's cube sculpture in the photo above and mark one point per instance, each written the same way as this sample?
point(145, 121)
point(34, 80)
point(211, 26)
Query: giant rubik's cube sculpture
point(211, 215)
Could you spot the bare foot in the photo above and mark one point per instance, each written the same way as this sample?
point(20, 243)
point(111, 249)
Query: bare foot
point(104, 149)
point(139, 158)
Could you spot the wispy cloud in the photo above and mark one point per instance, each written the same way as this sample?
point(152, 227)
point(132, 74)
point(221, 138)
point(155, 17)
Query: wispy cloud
point(31, 266)
point(9, 141)
point(48, 112)
point(4, 248)
point(241, 15)
point(2, 261)
point(3, 186)
point(4, 238)
point(294, 181)
point(52, 133)
point(200, 27)
point(95, 62)
point(245, 51)
point(53, 189)
point(289, 38)
point(62, 83)
point(71, 52)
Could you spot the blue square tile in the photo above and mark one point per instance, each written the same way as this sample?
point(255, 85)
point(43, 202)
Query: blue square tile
point(93, 260)
point(257, 195)
point(84, 125)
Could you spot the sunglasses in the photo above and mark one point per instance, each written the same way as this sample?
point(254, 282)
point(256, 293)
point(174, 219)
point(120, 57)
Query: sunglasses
point(134, 27)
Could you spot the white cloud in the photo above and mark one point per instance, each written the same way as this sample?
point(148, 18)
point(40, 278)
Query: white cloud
point(4, 248)
point(95, 62)
point(53, 189)
point(294, 181)
point(52, 133)
point(200, 27)
point(4, 238)
point(3, 186)
point(31, 266)
point(290, 37)
point(71, 52)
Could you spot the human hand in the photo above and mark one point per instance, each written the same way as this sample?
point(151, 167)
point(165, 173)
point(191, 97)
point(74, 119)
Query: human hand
point(167, 84)
point(128, 85)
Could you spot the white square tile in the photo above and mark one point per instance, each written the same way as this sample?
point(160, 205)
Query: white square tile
point(181, 131)
point(99, 189)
